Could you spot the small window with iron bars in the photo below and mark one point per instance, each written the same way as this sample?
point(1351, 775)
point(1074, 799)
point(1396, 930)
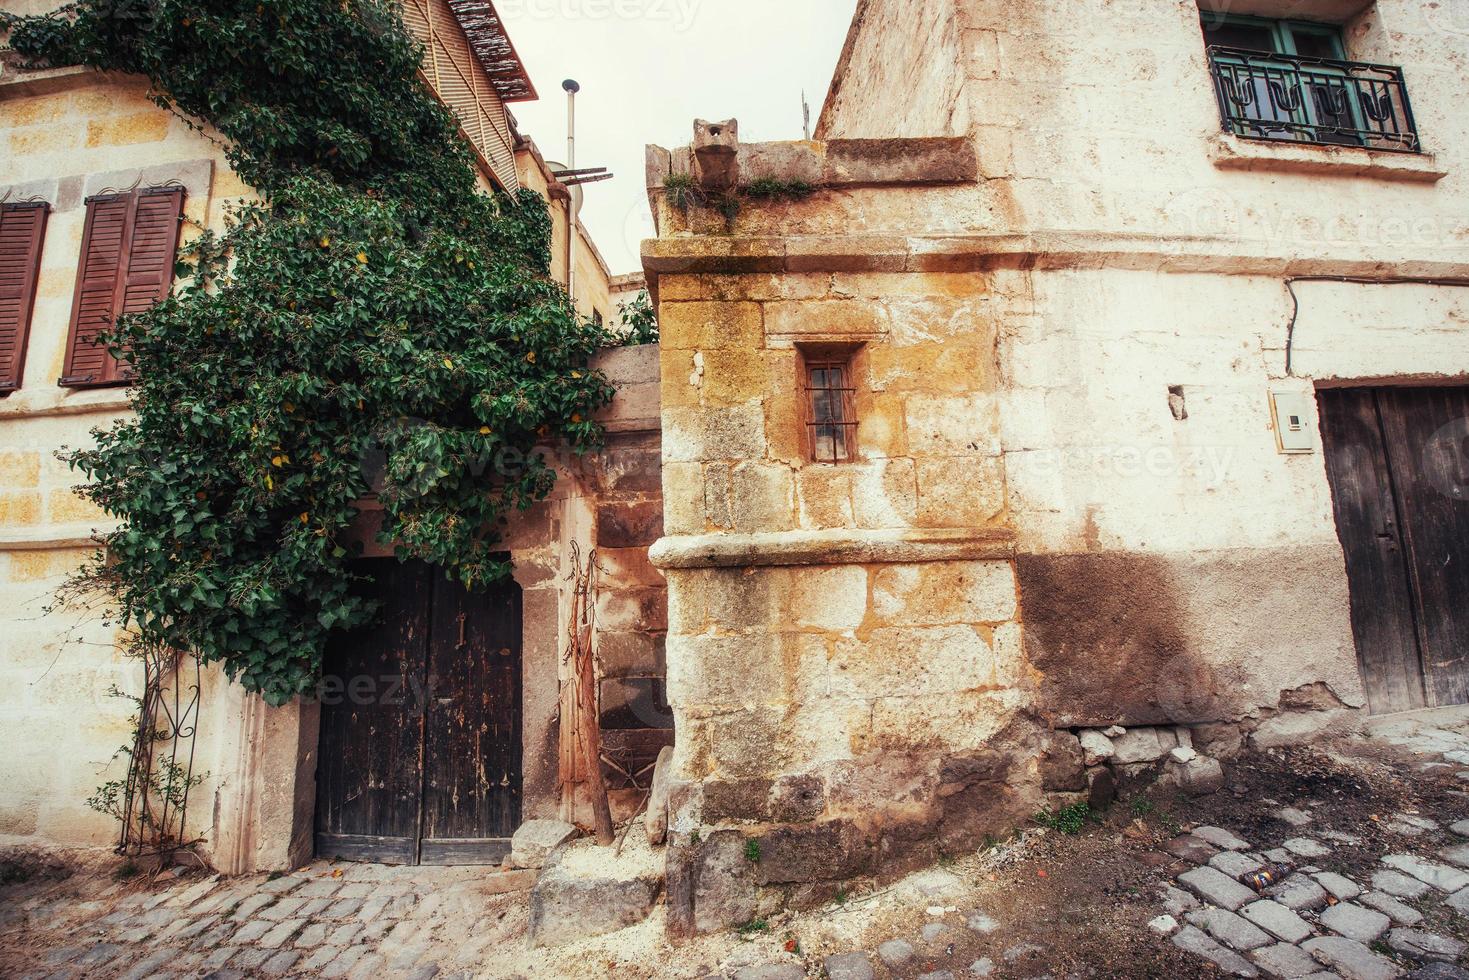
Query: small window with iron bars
point(831, 413)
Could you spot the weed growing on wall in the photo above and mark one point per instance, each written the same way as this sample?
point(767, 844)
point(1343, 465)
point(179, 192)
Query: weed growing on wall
point(373, 324)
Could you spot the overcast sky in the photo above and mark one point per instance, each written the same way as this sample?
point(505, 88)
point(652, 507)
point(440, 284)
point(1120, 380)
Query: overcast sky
point(647, 68)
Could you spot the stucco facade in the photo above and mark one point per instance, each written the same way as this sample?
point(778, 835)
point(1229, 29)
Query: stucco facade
point(1067, 345)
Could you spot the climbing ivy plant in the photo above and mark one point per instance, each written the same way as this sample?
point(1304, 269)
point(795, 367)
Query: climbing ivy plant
point(372, 324)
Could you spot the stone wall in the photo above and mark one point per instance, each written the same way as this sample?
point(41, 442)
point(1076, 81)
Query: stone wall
point(844, 653)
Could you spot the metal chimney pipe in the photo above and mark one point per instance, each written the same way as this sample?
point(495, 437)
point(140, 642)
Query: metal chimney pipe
point(572, 87)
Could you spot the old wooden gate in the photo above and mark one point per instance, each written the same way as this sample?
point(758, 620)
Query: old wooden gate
point(420, 724)
point(1398, 462)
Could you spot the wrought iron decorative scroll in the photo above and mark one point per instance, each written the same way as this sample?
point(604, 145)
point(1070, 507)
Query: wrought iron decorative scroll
point(161, 763)
point(1313, 100)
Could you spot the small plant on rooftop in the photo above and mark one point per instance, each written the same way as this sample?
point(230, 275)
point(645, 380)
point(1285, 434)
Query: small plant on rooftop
point(752, 851)
point(774, 188)
point(683, 192)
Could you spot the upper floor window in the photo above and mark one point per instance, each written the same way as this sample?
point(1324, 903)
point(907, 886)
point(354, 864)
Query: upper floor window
point(22, 231)
point(1290, 80)
point(128, 247)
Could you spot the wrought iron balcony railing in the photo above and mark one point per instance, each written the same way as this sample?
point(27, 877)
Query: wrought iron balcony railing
point(1313, 100)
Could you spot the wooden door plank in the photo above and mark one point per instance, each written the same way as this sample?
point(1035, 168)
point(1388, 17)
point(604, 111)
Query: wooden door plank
point(1366, 518)
point(1427, 435)
point(483, 850)
point(368, 780)
point(472, 769)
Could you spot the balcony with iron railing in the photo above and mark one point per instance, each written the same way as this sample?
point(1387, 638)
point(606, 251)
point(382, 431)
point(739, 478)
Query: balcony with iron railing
point(1296, 99)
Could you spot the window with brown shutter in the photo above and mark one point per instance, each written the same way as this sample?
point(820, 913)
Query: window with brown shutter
point(22, 231)
point(128, 250)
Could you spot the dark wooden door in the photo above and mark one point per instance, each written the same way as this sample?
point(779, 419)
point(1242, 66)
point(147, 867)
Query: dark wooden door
point(1398, 463)
point(419, 756)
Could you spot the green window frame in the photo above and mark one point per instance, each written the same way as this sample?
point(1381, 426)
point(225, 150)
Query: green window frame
point(1282, 32)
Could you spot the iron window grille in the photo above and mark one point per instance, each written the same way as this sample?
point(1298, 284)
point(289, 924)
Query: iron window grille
point(1298, 99)
point(832, 418)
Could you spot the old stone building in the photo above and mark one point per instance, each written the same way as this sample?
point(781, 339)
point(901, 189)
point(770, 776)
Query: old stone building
point(1096, 366)
point(1086, 402)
point(75, 141)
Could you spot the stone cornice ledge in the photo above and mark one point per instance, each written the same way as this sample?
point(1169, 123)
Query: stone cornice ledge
point(1229, 152)
point(841, 546)
point(52, 537)
point(1042, 250)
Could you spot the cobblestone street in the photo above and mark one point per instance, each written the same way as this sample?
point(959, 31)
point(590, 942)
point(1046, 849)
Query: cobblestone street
point(1376, 835)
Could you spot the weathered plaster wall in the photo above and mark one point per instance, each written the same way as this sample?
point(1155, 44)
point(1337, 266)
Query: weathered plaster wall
point(901, 73)
point(68, 134)
point(1184, 569)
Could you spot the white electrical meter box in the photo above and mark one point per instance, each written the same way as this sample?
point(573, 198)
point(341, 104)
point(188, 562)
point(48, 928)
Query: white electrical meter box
point(1293, 412)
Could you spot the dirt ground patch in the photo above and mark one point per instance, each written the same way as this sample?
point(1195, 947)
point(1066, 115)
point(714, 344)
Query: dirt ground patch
point(1041, 904)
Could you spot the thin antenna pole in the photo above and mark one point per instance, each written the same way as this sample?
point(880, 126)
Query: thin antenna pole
point(805, 115)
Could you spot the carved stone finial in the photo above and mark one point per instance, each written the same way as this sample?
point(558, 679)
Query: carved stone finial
point(716, 147)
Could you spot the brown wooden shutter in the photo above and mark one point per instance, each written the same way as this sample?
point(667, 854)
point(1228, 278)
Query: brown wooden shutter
point(22, 231)
point(128, 250)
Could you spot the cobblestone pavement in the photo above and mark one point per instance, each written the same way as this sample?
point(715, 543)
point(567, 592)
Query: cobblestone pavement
point(1377, 844)
point(343, 920)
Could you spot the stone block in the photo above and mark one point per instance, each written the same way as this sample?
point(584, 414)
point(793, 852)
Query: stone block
point(1139, 745)
point(1440, 876)
point(1425, 945)
point(1349, 958)
point(1276, 919)
point(1097, 747)
point(1398, 884)
point(913, 661)
point(655, 817)
point(849, 966)
point(629, 524)
point(1217, 888)
point(1230, 929)
point(762, 498)
point(1199, 776)
point(1222, 838)
point(797, 798)
point(1354, 922)
point(939, 593)
point(723, 892)
point(1400, 913)
point(885, 493)
point(1062, 763)
point(738, 377)
point(17, 509)
point(824, 497)
point(593, 898)
point(826, 319)
point(959, 491)
point(925, 160)
point(535, 840)
point(949, 425)
point(1284, 960)
point(710, 325)
point(150, 126)
point(832, 598)
point(1193, 940)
